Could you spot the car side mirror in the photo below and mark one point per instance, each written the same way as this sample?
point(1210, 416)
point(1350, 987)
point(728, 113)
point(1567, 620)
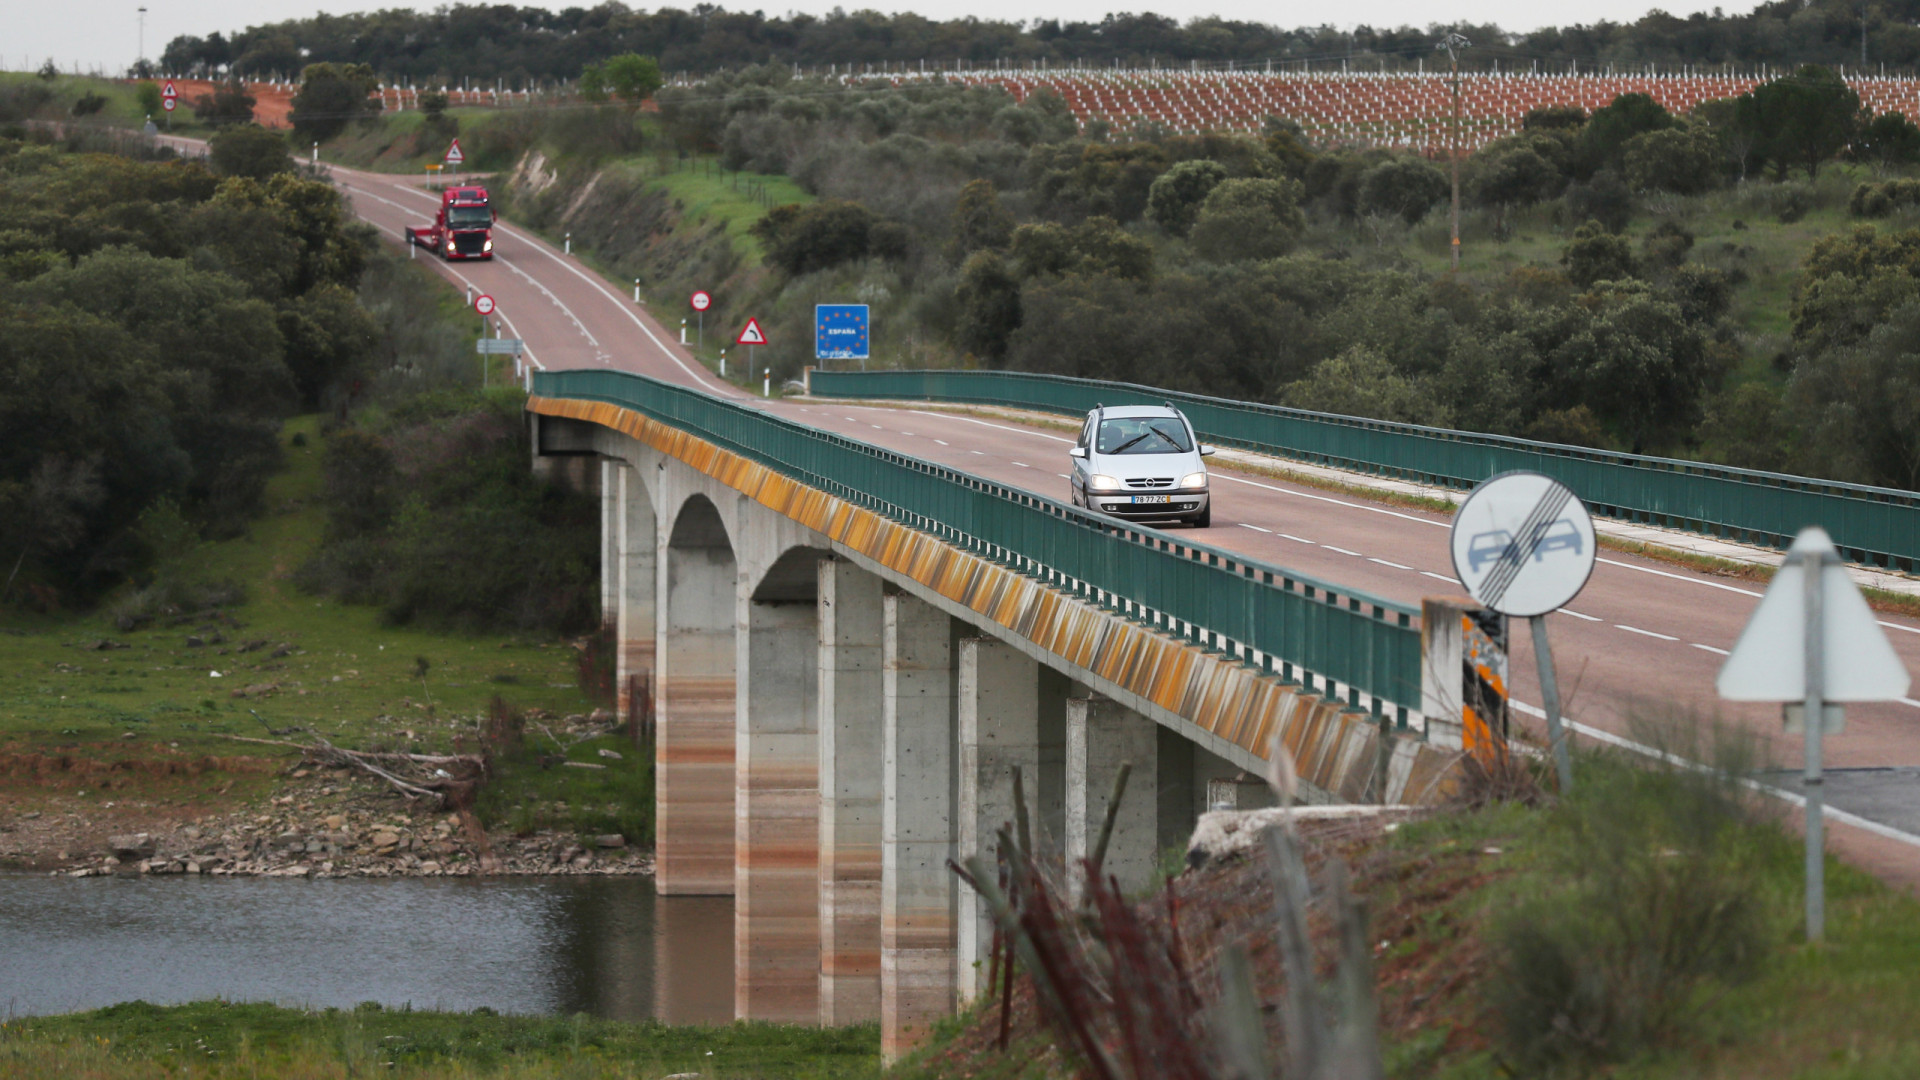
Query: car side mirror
point(1206, 451)
point(1078, 451)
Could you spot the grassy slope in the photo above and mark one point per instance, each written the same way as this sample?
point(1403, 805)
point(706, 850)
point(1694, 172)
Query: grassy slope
point(348, 677)
point(215, 1039)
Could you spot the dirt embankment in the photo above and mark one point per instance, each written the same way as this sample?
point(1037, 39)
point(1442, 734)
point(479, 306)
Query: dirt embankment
point(1424, 953)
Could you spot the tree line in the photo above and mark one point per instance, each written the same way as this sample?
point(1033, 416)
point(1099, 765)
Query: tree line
point(990, 233)
point(488, 42)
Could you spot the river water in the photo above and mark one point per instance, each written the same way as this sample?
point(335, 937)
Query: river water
point(601, 945)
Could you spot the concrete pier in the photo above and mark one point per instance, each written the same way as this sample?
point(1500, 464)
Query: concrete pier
point(694, 749)
point(1101, 735)
point(634, 571)
point(999, 718)
point(917, 892)
point(851, 626)
point(777, 798)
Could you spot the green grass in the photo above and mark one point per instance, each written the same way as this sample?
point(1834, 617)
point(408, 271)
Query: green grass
point(217, 1039)
point(708, 194)
point(348, 676)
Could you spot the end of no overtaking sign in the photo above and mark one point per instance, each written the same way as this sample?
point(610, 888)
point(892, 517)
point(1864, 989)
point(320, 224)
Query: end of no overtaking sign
point(1523, 544)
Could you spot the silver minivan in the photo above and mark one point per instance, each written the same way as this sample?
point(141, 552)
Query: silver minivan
point(1141, 462)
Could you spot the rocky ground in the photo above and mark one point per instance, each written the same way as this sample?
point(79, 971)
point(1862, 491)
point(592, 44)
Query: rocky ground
point(323, 823)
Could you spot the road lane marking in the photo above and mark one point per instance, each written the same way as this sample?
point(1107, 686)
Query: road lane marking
point(1322, 498)
point(1648, 633)
point(1023, 464)
point(1708, 648)
point(982, 453)
point(1343, 551)
point(1577, 615)
point(1300, 539)
point(1439, 577)
point(943, 442)
point(1384, 562)
point(1255, 528)
point(996, 427)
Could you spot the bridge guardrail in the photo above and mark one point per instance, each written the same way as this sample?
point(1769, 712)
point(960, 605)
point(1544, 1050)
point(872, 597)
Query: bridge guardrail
point(1878, 526)
point(1304, 629)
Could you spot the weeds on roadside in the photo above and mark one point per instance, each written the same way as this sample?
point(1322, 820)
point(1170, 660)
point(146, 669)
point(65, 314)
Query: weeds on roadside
point(1658, 902)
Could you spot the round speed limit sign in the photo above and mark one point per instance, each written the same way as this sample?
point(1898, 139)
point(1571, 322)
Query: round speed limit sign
point(701, 301)
point(483, 304)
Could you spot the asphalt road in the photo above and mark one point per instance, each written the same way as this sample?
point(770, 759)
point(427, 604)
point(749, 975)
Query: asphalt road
point(1640, 645)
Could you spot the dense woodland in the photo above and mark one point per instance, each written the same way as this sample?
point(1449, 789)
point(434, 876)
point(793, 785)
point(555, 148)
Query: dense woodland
point(160, 319)
point(992, 234)
point(490, 42)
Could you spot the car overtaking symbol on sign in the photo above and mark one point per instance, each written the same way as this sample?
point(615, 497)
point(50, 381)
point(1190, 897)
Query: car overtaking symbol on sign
point(483, 304)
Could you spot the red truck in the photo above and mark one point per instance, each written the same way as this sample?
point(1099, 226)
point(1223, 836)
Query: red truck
point(463, 228)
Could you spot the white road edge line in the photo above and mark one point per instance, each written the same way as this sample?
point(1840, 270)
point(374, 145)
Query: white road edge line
point(1608, 737)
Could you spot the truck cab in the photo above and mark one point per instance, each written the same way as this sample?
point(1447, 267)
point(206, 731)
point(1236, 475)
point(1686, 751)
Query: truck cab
point(463, 226)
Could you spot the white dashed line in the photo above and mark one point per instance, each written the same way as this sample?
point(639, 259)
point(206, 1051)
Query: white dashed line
point(1577, 615)
point(1439, 577)
point(1648, 633)
point(1708, 648)
point(1395, 565)
point(943, 442)
point(982, 453)
point(876, 427)
point(1023, 464)
point(1255, 528)
point(1299, 539)
point(983, 423)
point(1343, 551)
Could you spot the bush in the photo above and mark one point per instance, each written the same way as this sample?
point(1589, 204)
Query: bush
point(1249, 219)
point(1173, 202)
point(1658, 896)
point(1879, 200)
point(1598, 255)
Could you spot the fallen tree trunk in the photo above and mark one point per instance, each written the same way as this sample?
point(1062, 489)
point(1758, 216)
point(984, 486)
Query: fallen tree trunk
point(450, 783)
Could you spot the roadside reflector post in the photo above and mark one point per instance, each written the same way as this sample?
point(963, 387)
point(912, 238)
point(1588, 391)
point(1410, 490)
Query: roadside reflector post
point(636, 290)
point(766, 382)
point(723, 363)
point(683, 331)
point(316, 152)
point(569, 244)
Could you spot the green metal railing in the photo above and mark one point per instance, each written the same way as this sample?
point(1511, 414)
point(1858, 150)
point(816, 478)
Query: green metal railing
point(1306, 630)
point(1879, 526)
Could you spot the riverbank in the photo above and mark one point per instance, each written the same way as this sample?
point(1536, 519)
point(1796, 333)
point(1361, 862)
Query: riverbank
point(215, 1039)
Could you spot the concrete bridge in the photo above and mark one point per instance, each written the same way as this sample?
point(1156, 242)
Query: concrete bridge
point(840, 700)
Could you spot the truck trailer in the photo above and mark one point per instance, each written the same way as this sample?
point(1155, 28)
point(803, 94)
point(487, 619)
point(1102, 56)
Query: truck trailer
point(463, 227)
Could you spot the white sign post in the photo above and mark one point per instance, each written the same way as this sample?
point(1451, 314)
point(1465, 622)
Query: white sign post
point(1523, 545)
point(1813, 640)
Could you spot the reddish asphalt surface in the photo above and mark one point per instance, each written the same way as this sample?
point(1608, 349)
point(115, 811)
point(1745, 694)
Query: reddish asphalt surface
point(1644, 638)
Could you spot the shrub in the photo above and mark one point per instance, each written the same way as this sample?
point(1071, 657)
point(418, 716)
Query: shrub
point(1879, 200)
point(1658, 896)
point(1249, 219)
point(1173, 202)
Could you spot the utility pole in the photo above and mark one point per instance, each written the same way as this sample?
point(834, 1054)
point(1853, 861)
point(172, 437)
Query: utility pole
point(143, 39)
point(1451, 43)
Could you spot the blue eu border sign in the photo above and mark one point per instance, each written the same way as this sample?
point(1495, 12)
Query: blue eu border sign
point(840, 331)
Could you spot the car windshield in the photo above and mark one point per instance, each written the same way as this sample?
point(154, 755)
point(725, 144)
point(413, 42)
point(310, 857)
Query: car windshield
point(468, 216)
point(1142, 435)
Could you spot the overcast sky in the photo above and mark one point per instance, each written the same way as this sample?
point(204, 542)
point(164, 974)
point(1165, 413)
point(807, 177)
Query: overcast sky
point(106, 33)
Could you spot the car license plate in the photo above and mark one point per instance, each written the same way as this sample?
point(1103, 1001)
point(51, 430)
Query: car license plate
point(1151, 500)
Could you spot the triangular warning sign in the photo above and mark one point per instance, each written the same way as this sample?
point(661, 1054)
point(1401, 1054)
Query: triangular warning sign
point(170, 92)
point(454, 156)
point(752, 334)
point(1769, 662)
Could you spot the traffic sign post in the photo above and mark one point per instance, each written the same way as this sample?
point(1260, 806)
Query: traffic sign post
point(1813, 640)
point(751, 335)
point(1523, 545)
point(840, 332)
point(700, 302)
point(483, 304)
point(455, 156)
point(169, 100)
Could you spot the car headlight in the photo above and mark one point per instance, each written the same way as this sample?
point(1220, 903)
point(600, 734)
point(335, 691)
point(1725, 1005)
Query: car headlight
point(1194, 480)
point(1101, 482)
point(488, 246)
